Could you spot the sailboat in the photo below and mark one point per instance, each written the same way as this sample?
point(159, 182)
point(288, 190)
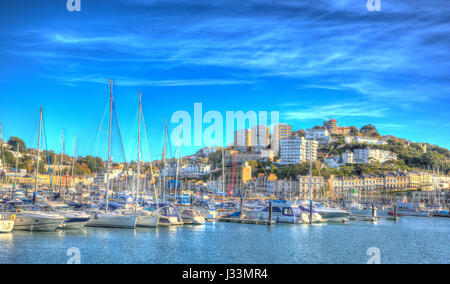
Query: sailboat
point(168, 214)
point(144, 218)
point(106, 218)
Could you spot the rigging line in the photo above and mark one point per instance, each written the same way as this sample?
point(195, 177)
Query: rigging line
point(48, 157)
point(170, 146)
point(148, 145)
point(121, 141)
point(96, 145)
point(150, 159)
point(130, 133)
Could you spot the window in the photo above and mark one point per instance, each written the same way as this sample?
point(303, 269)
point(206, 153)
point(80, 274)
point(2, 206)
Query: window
point(287, 211)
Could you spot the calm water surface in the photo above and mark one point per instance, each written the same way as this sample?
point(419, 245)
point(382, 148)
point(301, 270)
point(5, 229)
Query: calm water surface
point(411, 240)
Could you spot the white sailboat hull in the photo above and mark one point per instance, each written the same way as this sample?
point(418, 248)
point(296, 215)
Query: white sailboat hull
point(147, 221)
point(194, 221)
point(37, 224)
point(170, 221)
point(110, 220)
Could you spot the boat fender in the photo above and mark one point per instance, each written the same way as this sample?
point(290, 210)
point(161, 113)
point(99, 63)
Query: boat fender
point(13, 217)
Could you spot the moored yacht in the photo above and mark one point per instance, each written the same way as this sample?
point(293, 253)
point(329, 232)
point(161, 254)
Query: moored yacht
point(29, 218)
point(328, 214)
point(409, 209)
point(207, 209)
point(112, 220)
point(73, 219)
point(353, 206)
point(168, 214)
point(282, 212)
point(193, 217)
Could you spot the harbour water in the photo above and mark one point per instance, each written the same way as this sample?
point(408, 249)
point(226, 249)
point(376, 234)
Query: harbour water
point(410, 240)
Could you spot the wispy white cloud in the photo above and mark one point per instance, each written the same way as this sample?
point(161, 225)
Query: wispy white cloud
point(132, 82)
point(337, 111)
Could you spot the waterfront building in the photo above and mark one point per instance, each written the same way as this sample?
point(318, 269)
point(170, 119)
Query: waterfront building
point(236, 178)
point(297, 150)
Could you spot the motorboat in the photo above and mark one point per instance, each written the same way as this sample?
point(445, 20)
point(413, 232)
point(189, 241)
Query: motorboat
point(282, 212)
point(168, 215)
point(409, 209)
point(353, 206)
point(193, 217)
point(328, 214)
point(207, 209)
point(29, 218)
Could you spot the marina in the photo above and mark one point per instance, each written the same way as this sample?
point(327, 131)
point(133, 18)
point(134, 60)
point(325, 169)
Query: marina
point(410, 240)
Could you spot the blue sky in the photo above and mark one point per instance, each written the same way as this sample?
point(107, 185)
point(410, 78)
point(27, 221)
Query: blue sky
point(309, 60)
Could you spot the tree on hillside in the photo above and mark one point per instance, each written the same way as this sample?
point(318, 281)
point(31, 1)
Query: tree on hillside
point(215, 158)
point(354, 131)
point(369, 130)
point(299, 133)
point(17, 144)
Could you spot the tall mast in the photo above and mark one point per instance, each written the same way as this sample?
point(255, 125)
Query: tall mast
point(164, 162)
point(2, 154)
point(178, 164)
point(108, 163)
point(72, 180)
point(310, 185)
point(38, 153)
point(139, 154)
point(223, 175)
point(61, 163)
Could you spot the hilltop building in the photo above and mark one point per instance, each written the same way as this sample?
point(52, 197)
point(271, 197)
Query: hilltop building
point(368, 156)
point(364, 140)
point(321, 135)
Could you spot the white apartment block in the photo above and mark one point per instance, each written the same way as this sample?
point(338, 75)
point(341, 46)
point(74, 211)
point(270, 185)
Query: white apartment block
point(297, 150)
point(280, 132)
point(322, 135)
point(347, 158)
point(259, 137)
point(195, 171)
point(364, 140)
point(242, 139)
point(367, 156)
